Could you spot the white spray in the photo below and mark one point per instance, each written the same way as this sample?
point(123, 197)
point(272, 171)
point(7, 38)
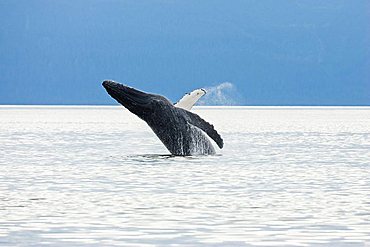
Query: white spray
point(222, 94)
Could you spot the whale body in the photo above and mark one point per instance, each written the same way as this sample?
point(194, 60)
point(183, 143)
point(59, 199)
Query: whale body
point(182, 132)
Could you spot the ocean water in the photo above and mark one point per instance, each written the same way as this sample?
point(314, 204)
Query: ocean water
point(98, 176)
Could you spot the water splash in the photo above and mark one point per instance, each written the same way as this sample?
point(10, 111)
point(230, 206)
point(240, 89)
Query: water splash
point(225, 93)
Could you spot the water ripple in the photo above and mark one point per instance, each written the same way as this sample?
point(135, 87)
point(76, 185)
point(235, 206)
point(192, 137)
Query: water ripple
point(99, 177)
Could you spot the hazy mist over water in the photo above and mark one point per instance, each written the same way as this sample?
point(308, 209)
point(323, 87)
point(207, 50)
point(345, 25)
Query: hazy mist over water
point(98, 176)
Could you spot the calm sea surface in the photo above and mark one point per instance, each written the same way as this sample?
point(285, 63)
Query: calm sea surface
point(98, 176)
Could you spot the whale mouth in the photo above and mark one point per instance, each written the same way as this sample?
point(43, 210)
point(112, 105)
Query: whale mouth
point(129, 97)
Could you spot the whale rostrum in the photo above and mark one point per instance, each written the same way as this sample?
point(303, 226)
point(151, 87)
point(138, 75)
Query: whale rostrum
point(181, 131)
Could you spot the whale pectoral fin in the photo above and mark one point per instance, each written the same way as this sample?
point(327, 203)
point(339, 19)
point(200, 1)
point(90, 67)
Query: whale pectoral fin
point(199, 122)
point(189, 99)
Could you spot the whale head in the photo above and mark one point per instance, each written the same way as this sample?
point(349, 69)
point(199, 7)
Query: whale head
point(137, 102)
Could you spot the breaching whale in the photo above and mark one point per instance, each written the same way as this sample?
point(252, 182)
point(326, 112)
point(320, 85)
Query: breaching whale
point(181, 131)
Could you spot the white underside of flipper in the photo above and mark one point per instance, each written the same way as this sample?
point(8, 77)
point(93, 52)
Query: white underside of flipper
point(189, 99)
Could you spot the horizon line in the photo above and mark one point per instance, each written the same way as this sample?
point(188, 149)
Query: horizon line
point(196, 106)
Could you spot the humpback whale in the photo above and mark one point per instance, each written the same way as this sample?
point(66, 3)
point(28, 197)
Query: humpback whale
point(182, 132)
